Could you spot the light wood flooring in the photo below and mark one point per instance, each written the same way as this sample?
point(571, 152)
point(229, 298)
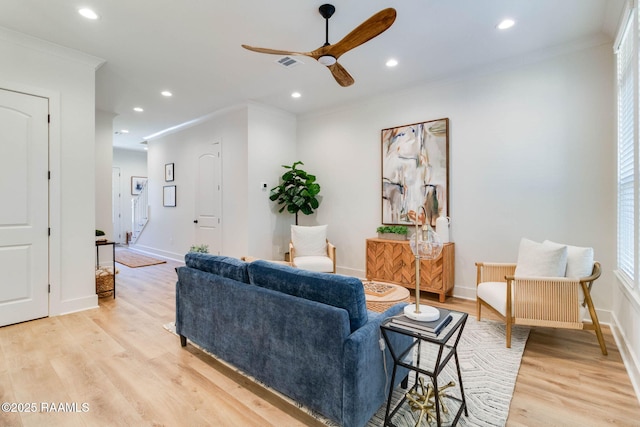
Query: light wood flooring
point(130, 371)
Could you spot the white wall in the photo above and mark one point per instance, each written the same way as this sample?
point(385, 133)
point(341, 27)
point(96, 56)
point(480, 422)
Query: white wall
point(256, 141)
point(130, 163)
point(272, 144)
point(170, 231)
point(626, 328)
point(532, 154)
point(67, 78)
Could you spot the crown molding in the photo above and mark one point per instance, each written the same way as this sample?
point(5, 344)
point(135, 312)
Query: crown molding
point(49, 48)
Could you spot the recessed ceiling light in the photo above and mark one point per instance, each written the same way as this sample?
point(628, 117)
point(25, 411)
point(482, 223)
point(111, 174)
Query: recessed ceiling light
point(124, 131)
point(138, 109)
point(296, 95)
point(146, 148)
point(88, 13)
point(506, 23)
point(166, 93)
point(391, 63)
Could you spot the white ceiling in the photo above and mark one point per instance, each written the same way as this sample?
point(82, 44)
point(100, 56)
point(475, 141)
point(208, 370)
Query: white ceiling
point(192, 48)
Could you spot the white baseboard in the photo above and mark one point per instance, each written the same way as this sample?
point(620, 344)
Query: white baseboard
point(172, 256)
point(464, 293)
point(354, 272)
point(629, 358)
point(75, 305)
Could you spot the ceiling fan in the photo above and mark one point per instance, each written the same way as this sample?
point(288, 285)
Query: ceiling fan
point(328, 54)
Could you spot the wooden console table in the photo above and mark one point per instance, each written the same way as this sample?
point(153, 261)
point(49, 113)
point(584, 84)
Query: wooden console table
point(392, 261)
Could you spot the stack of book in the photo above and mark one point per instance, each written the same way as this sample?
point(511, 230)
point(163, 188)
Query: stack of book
point(429, 329)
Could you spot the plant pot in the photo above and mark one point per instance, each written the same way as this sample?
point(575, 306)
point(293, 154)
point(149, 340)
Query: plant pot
point(392, 236)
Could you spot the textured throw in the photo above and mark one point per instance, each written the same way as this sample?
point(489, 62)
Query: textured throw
point(134, 260)
point(489, 372)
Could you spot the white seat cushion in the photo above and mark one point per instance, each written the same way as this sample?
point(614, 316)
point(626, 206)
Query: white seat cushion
point(494, 293)
point(322, 264)
point(309, 241)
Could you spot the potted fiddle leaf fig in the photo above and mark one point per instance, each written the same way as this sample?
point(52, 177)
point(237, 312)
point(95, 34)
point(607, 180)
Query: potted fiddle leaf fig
point(297, 191)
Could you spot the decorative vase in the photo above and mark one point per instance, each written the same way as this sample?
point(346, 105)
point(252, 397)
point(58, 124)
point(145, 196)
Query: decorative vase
point(425, 243)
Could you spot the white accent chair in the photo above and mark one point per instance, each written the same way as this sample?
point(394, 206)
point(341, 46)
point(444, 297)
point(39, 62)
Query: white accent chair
point(550, 286)
point(309, 249)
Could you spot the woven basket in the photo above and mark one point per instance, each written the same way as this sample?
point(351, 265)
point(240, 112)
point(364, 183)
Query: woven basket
point(105, 281)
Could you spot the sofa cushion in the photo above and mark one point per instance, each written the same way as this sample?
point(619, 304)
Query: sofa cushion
point(309, 241)
point(332, 289)
point(231, 268)
point(541, 260)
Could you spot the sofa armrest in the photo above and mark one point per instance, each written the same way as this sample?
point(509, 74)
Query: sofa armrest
point(367, 369)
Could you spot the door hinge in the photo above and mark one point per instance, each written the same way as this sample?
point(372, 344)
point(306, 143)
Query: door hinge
point(49, 232)
point(48, 118)
point(48, 288)
point(49, 175)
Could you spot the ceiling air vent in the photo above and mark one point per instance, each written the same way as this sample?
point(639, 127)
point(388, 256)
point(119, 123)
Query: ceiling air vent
point(288, 62)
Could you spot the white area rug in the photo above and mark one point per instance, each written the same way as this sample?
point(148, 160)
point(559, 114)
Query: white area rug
point(489, 372)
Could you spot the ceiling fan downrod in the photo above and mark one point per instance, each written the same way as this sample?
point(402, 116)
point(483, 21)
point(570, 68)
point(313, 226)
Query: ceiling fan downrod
point(327, 11)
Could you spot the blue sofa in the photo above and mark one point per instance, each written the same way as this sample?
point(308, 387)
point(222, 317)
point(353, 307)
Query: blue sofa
point(306, 334)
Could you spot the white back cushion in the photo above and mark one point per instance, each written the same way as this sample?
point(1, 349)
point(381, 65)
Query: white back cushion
point(579, 260)
point(309, 241)
point(540, 260)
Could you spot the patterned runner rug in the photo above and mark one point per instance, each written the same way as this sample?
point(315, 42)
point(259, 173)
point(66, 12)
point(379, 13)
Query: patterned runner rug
point(134, 259)
point(489, 372)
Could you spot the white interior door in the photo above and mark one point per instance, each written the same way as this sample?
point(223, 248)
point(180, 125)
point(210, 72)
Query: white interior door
point(208, 207)
point(24, 216)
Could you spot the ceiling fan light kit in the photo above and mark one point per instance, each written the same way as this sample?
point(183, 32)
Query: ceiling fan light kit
point(327, 60)
point(328, 54)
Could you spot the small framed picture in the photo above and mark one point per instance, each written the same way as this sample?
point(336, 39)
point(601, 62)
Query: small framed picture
point(137, 184)
point(168, 172)
point(169, 196)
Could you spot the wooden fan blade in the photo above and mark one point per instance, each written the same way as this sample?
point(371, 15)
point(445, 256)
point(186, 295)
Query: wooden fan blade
point(364, 32)
point(341, 75)
point(273, 51)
